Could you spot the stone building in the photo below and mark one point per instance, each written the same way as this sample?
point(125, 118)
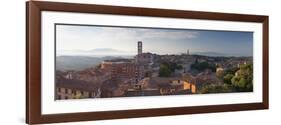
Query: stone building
point(123, 69)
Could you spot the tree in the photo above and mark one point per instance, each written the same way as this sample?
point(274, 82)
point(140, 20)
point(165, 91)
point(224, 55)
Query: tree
point(243, 80)
point(179, 67)
point(231, 70)
point(216, 88)
point(227, 78)
point(201, 66)
point(167, 68)
point(239, 82)
point(172, 66)
point(164, 71)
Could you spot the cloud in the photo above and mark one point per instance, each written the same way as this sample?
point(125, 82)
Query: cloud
point(90, 37)
point(160, 41)
point(172, 35)
point(111, 33)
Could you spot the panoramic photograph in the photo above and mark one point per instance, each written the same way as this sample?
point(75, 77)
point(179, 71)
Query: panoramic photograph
point(109, 61)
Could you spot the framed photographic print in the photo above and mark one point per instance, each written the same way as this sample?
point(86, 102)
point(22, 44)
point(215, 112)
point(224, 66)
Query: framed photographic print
point(94, 62)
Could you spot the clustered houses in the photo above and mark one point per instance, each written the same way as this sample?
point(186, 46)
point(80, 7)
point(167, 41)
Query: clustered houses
point(76, 89)
point(234, 62)
point(140, 73)
point(174, 85)
point(80, 84)
point(163, 86)
point(139, 76)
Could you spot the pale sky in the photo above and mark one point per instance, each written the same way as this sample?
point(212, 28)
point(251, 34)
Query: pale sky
point(160, 41)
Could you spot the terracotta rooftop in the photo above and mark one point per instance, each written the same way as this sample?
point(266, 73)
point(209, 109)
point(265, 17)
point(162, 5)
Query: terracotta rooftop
point(76, 85)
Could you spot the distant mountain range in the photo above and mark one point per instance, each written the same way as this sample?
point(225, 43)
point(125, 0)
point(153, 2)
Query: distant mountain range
point(216, 54)
point(99, 52)
point(64, 63)
point(102, 52)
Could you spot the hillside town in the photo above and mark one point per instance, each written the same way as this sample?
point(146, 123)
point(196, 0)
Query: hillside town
point(150, 74)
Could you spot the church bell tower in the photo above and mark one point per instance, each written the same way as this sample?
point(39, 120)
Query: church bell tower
point(139, 47)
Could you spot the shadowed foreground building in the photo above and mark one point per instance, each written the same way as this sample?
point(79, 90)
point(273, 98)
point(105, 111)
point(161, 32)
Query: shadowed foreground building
point(76, 89)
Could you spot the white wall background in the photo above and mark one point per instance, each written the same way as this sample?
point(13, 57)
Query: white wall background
point(12, 61)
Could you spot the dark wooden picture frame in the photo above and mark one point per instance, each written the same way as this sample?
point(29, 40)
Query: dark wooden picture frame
point(33, 61)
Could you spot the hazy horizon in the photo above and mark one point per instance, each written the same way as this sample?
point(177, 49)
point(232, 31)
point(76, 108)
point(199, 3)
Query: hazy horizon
point(101, 41)
point(90, 54)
